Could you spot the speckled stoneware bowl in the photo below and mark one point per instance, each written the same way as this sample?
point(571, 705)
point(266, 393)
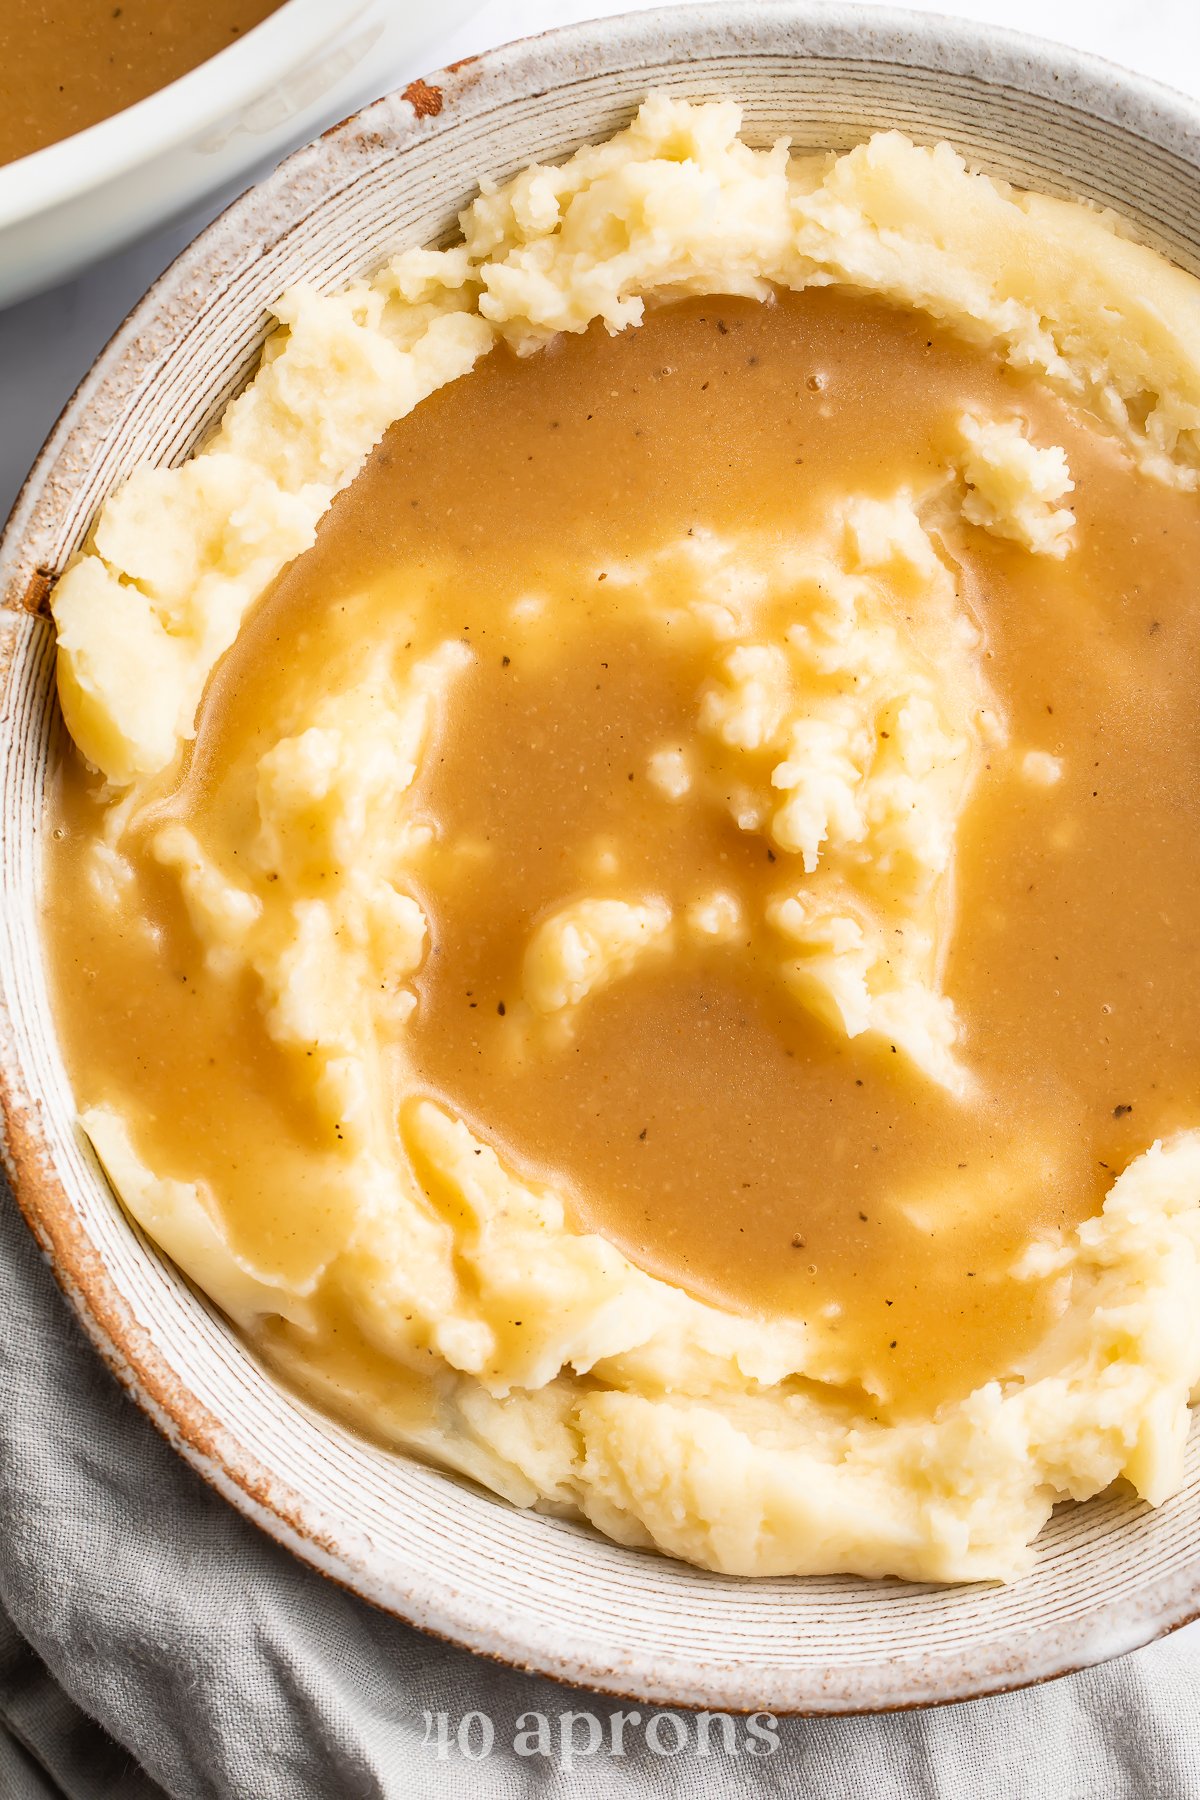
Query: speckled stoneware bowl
point(542, 1592)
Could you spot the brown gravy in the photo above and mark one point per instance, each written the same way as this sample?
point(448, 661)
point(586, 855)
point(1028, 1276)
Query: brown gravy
point(67, 64)
point(718, 1135)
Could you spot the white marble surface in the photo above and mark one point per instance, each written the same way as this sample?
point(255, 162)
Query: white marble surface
point(48, 342)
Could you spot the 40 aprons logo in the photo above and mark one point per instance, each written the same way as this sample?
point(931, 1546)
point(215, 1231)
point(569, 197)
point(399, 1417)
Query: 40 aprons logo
point(570, 1737)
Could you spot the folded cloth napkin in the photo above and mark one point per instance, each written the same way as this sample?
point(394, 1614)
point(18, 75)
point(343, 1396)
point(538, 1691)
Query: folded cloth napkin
point(152, 1642)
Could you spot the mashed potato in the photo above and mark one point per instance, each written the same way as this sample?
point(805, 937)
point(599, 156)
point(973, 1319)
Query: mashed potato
point(675, 204)
point(1013, 487)
point(844, 719)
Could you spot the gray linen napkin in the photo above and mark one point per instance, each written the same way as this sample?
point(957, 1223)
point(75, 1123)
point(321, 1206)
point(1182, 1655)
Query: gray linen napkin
point(153, 1642)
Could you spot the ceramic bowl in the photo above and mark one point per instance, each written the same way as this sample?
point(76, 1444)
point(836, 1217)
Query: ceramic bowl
point(307, 63)
point(541, 1592)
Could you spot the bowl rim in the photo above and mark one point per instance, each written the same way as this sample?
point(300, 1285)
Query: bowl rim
point(213, 90)
point(860, 33)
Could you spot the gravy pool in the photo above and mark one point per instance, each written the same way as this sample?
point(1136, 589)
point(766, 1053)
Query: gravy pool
point(702, 1122)
point(67, 64)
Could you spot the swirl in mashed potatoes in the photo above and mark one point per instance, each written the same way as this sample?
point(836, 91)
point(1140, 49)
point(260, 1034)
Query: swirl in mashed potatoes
point(825, 727)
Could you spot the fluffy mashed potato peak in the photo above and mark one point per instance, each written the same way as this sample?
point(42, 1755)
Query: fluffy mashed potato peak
point(1013, 488)
point(588, 944)
point(675, 204)
point(851, 741)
